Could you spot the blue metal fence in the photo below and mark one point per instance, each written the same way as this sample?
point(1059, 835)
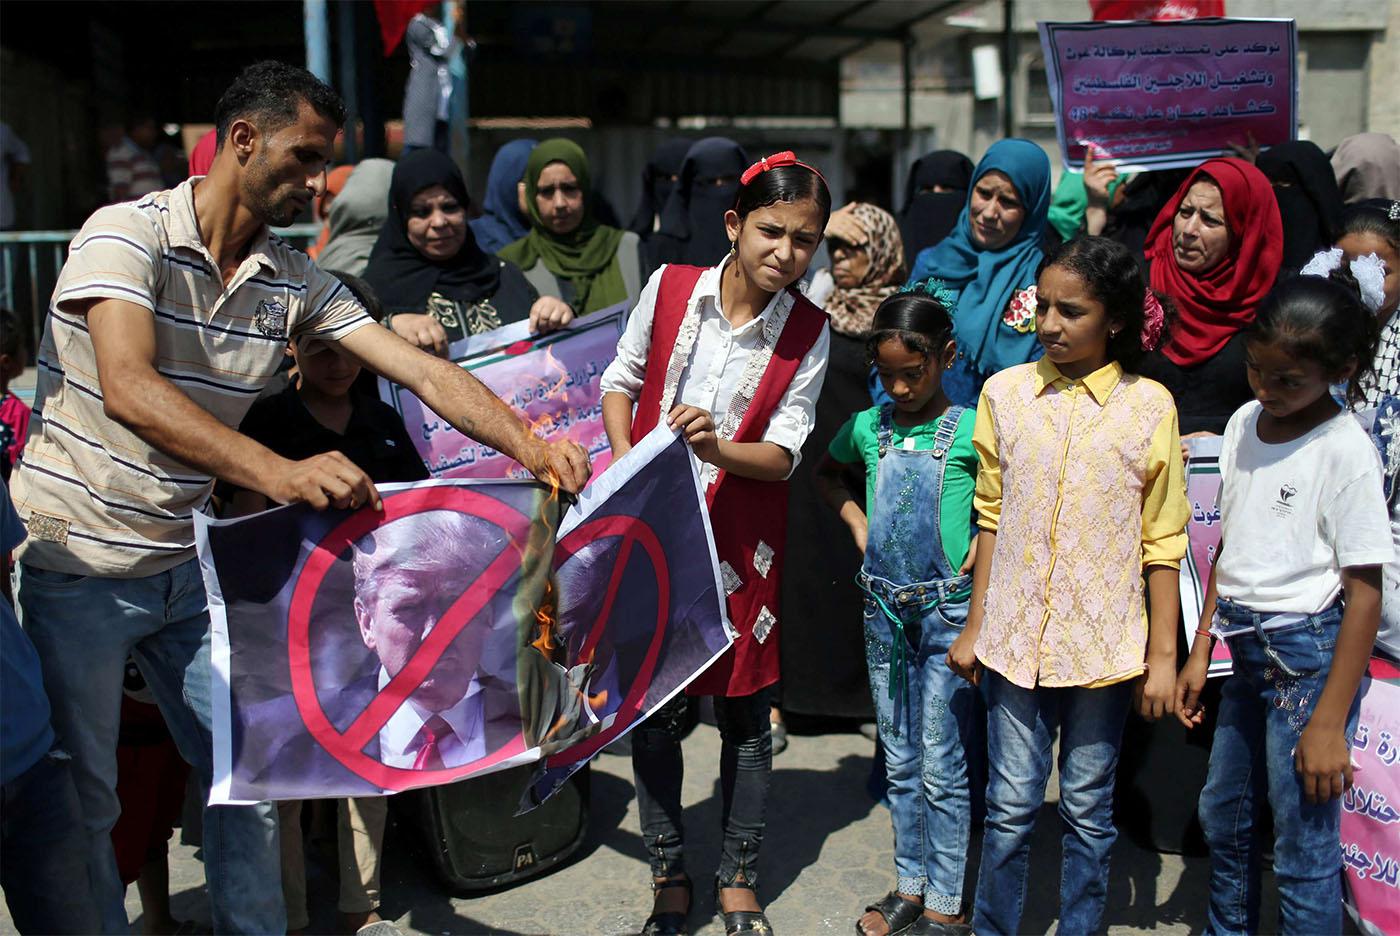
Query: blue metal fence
point(30, 262)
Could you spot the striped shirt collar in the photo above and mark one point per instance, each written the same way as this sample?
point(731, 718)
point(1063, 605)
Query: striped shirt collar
point(183, 228)
point(1099, 384)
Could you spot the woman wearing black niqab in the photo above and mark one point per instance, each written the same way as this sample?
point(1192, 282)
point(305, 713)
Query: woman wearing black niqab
point(1309, 201)
point(692, 221)
point(659, 180)
point(933, 197)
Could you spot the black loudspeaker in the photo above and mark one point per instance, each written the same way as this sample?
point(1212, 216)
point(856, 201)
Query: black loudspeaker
point(476, 841)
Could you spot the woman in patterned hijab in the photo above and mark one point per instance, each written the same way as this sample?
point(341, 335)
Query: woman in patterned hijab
point(867, 265)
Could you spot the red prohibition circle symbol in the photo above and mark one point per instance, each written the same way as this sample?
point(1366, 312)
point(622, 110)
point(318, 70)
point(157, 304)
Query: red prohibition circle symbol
point(633, 530)
point(347, 747)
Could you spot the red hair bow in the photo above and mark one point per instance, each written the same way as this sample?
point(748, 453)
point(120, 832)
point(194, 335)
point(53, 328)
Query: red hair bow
point(785, 158)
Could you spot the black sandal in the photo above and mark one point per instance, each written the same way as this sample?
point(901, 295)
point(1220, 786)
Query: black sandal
point(671, 923)
point(928, 926)
point(742, 921)
point(899, 913)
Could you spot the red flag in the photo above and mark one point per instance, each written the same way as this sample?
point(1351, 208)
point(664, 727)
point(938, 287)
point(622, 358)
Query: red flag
point(394, 17)
point(1155, 9)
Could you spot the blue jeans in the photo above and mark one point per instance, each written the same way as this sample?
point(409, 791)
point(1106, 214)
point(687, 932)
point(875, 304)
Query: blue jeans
point(43, 851)
point(924, 730)
point(84, 627)
point(1264, 707)
point(1021, 727)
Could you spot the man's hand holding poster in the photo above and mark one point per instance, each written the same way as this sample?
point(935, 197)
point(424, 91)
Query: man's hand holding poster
point(460, 631)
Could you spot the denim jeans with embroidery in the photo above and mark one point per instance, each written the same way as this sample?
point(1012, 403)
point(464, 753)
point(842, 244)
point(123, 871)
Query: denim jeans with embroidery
point(1278, 678)
point(924, 725)
point(915, 607)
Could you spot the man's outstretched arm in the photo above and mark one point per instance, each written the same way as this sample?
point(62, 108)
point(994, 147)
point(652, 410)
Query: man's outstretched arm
point(135, 395)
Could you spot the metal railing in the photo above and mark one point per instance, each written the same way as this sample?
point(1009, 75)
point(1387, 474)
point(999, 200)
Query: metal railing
point(30, 262)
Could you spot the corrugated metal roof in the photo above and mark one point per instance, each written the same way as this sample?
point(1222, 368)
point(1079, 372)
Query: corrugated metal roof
point(633, 61)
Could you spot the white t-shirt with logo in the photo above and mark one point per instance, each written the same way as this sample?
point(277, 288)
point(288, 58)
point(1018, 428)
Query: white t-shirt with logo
point(1295, 514)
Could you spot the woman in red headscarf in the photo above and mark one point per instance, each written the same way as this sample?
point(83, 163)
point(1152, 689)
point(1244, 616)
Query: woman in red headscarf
point(1215, 251)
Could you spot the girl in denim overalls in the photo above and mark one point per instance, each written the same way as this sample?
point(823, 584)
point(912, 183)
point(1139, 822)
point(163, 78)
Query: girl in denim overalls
point(920, 470)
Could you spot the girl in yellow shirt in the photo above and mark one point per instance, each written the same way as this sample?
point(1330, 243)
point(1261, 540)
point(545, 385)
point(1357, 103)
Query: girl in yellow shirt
point(1080, 497)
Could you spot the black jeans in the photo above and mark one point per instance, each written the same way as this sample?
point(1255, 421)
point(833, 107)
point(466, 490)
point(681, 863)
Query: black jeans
point(44, 869)
point(745, 765)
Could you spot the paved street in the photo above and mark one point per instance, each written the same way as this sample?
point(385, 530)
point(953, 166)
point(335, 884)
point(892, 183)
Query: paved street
point(826, 854)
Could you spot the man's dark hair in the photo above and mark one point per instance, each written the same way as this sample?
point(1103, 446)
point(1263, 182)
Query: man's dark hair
point(270, 93)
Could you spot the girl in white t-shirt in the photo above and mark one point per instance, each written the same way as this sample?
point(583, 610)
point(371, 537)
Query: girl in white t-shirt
point(1295, 593)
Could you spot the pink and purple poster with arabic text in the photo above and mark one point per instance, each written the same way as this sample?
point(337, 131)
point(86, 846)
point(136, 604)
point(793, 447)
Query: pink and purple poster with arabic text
point(1170, 94)
point(553, 381)
point(1371, 809)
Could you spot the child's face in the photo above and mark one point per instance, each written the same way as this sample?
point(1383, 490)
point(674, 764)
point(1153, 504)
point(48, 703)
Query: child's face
point(775, 244)
point(325, 368)
point(1283, 383)
point(1365, 244)
point(1070, 322)
point(911, 378)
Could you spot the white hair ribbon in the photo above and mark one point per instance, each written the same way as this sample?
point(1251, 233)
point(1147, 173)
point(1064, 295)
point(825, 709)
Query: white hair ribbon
point(1368, 271)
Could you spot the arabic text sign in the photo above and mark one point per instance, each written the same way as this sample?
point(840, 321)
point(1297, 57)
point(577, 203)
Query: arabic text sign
point(1371, 811)
point(1163, 95)
point(1203, 540)
point(552, 381)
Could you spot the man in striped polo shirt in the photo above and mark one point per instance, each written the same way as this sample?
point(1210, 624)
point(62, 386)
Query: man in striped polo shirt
point(170, 315)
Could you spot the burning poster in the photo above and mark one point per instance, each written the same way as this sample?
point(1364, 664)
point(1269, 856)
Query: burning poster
point(553, 381)
point(358, 652)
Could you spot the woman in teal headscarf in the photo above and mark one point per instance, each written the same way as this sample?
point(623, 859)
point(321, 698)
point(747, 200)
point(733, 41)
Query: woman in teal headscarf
point(989, 261)
point(567, 253)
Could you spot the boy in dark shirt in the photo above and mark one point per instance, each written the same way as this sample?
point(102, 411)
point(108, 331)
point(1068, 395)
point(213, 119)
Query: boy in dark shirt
point(315, 414)
point(318, 413)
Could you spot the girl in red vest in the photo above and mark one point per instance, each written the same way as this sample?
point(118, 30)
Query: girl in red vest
point(734, 356)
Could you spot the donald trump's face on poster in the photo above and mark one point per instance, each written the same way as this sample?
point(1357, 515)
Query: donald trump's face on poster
point(408, 574)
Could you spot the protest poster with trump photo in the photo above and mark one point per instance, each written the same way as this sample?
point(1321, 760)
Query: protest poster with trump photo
point(461, 630)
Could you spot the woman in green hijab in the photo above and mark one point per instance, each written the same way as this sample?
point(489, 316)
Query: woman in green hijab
point(567, 253)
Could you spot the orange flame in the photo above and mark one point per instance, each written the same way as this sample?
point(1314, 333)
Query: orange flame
point(545, 618)
point(546, 614)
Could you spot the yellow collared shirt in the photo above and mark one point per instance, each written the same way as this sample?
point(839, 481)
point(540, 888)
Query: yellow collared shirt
point(1082, 480)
